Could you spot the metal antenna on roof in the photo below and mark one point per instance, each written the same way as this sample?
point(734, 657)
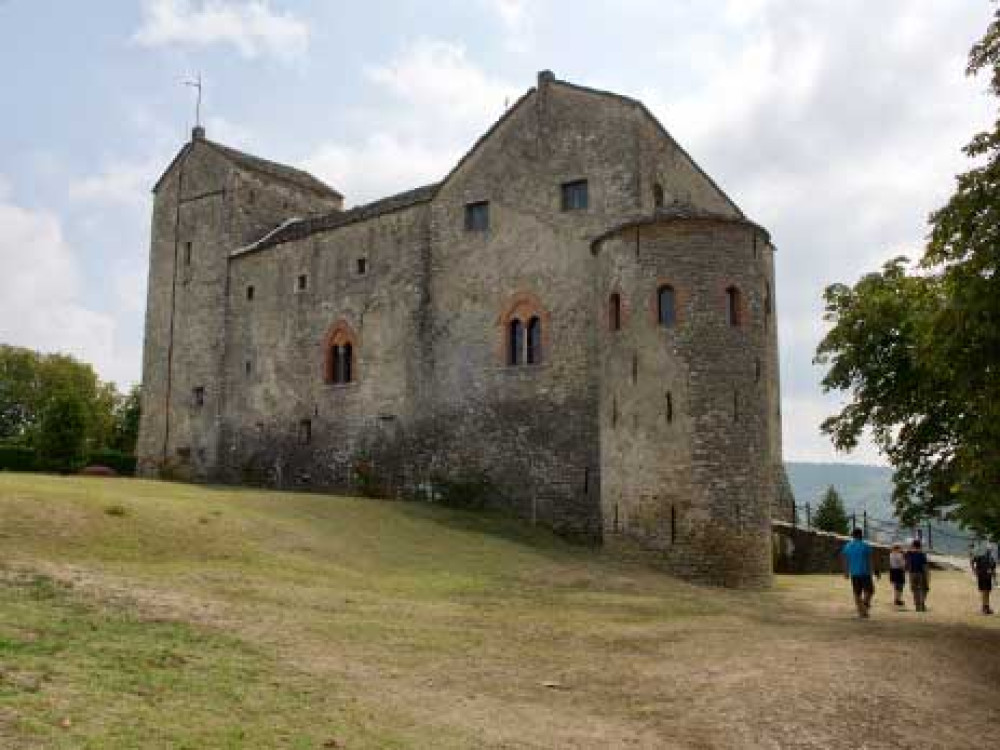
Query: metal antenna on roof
point(197, 107)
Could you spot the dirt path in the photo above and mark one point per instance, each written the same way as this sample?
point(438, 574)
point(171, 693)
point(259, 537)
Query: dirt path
point(790, 669)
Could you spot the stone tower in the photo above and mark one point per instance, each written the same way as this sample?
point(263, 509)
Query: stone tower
point(576, 320)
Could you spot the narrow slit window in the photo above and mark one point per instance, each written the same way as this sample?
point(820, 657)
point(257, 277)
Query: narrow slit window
point(250, 292)
point(515, 342)
point(477, 216)
point(673, 524)
point(343, 364)
point(666, 306)
point(614, 412)
point(670, 407)
point(756, 370)
point(736, 405)
point(248, 367)
point(615, 312)
point(305, 432)
point(302, 283)
point(187, 253)
point(534, 353)
point(767, 298)
point(575, 196)
point(362, 266)
point(733, 307)
point(635, 367)
point(199, 396)
point(658, 195)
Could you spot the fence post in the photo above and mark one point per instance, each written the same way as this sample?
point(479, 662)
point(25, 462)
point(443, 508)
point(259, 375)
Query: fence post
point(808, 517)
point(930, 539)
point(854, 522)
point(864, 515)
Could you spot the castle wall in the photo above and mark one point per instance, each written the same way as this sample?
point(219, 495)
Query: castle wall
point(275, 354)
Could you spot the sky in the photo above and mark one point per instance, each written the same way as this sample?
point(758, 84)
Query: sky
point(837, 124)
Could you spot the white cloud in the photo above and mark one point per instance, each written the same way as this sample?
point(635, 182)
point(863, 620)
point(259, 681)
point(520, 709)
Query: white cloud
point(252, 27)
point(122, 183)
point(40, 295)
point(380, 166)
point(433, 103)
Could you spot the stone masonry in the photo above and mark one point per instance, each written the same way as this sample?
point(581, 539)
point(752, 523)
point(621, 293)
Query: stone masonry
point(554, 236)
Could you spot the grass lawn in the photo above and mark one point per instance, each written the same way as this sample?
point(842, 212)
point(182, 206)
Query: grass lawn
point(146, 614)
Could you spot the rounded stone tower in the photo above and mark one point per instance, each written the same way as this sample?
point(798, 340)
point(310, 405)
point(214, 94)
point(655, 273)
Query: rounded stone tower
point(689, 428)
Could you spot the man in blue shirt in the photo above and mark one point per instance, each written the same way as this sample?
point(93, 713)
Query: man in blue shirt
point(857, 556)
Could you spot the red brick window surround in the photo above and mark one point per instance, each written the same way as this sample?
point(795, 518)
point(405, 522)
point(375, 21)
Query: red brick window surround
point(340, 354)
point(525, 331)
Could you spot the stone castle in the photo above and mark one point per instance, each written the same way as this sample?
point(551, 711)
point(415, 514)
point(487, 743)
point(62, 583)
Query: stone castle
point(576, 321)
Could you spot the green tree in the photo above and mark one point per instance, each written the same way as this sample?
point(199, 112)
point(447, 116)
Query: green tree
point(831, 515)
point(62, 433)
point(126, 421)
point(917, 346)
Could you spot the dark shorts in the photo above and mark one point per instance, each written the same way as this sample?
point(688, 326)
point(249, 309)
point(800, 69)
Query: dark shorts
point(897, 576)
point(985, 583)
point(862, 585)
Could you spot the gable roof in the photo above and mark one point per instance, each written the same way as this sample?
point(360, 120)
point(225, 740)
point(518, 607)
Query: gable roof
point(270, 169)
point(296, 229)
point(659, 126)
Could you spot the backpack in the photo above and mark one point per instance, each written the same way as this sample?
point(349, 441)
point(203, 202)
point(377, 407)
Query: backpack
point(983, 564)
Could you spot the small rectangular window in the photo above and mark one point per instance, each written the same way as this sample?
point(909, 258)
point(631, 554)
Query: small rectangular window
point(199, 396)
point(362, 266)
point(248, 366)
point(305, 432)
point(302, 282)
point(574, 196)
point(477, 216)
point(250, 292)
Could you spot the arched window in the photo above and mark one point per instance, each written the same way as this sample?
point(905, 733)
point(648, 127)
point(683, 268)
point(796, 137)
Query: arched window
point(666, 306)
point(534, 341)
point(615, 312)
point(658, 195)
point(733, 306)
point(515, 342)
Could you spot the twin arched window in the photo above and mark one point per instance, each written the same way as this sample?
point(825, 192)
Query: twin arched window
point(340, 355)
point(524, 342)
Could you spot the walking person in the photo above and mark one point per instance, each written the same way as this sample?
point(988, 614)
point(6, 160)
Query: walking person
point(897, 573)
point(857, 555)
point(985, 568)
point(920, 581)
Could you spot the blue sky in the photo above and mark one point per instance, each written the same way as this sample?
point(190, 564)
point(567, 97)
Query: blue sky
point(836, 124)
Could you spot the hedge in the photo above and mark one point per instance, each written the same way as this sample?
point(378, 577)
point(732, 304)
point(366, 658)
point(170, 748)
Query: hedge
point(25, 458)
point(18, 458)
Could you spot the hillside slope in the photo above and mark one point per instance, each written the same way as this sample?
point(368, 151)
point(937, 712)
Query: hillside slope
point(144, 614)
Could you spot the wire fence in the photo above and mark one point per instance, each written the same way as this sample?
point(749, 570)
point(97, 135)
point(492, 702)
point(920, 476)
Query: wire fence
point(932, 535)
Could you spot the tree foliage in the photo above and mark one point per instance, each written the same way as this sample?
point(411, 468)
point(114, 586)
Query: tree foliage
point(917, 346)
point(62, 433)
point(30, 382)
point(831, 514)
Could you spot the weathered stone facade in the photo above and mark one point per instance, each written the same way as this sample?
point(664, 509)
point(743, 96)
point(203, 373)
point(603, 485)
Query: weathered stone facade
point(664, 434)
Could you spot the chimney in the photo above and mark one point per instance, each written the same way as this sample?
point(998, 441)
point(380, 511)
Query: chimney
point(544, 77)
point(198, 133)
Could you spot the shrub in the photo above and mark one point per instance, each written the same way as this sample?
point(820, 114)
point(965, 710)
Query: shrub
point(18, 458)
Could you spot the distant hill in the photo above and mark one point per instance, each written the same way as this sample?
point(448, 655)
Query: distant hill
point(864, 488)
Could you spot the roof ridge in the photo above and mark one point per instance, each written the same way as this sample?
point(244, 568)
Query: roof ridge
point(272, 168)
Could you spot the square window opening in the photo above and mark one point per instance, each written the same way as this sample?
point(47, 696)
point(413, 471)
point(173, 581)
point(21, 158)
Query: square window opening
point(477, 216)
point(575, 196)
